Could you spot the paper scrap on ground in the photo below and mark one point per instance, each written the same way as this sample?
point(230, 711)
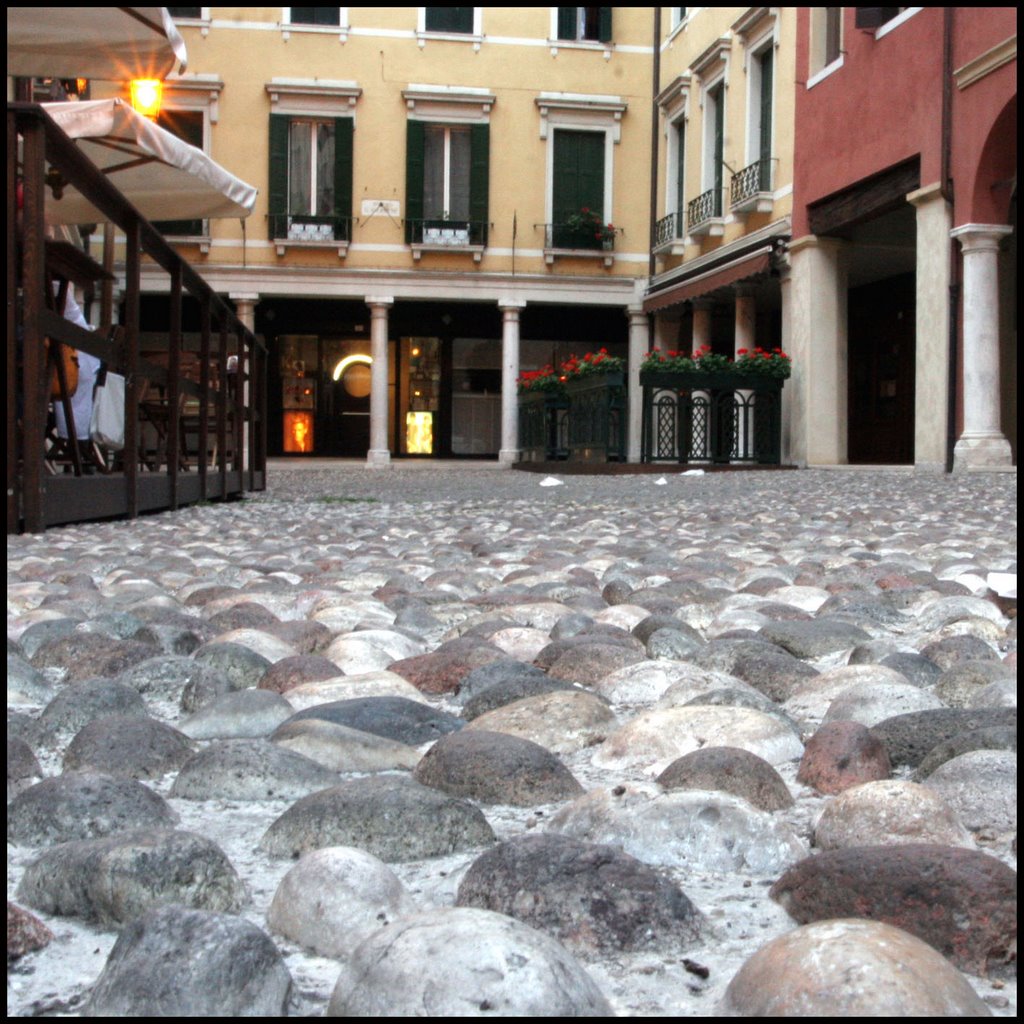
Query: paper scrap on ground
point(661, 481)
point(692, 472)
point(1003, 583)
point(551, 481)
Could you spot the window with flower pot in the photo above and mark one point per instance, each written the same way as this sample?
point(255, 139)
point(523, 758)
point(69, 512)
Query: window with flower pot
point(578, 190)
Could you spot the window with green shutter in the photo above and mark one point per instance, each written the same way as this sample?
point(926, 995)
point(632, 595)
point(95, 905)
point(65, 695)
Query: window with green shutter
point(766, 61)
point(314, 16)
point(447, 183)
point(585, 23)
point(310, 180)
point(577, 189)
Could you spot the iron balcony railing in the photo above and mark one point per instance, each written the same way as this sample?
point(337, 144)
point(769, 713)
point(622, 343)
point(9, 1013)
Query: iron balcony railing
point(705, 207)
point(750, 181)
point(669, 228)
point(570, 236)
point(307, 228)
point(445, 232)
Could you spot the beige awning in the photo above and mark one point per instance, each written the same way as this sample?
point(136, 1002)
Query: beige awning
point(110, 43)
point(161, 176)
point(692, 287)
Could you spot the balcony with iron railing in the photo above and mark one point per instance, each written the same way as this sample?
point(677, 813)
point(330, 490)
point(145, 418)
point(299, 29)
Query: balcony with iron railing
point(563, 239)
point(750, 190)
point(704, 214)
point(292, 229)
point(307, 229)
point(669, 233)
point(443, 234)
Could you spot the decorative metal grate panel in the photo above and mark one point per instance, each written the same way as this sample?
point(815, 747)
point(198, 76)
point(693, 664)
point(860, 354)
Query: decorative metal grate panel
point(685, 422)
point(704, 207)
point(597, 419)
point(669, 228)
point(543, 428)
point(750, 181)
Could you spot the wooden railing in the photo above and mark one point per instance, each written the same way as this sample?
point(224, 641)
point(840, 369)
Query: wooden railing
point(230, 407)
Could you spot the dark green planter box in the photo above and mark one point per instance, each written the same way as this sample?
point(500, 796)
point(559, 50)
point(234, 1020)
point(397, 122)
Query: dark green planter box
point(597, 418)
point(739, 421)
point(543, 426)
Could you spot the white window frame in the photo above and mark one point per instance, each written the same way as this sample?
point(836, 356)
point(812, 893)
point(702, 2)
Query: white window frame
point(341, 30)
point(202, 22)
point(446, 236)
point(314, 99)
point(308, 232)
point(577, 43)
point(818, 27)
point(196, 93)
point(893, 23)
point(423, 34)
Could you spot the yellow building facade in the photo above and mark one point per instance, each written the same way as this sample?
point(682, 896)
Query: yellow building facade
point(450, 196)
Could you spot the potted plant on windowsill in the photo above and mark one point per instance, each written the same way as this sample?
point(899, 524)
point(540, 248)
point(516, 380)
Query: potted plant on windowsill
point(586, 230)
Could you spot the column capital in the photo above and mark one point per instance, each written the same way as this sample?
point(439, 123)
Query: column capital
point(636, 315)
point(252, 297)
point(980, 237)
point(927, 194)
point(376, 301)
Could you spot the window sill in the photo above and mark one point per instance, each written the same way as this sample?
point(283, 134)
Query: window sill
point(827, 70)
point(203, 24)
point(203, 241)
point(341, 31)
point(419, 248)
point(607, 256)
point(283, 244)
point(581, 44)
point(422, 38)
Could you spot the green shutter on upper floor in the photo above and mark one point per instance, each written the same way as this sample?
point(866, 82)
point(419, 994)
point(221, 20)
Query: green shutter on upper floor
point(414, 162)
point(605, 25)
point(343, 177)
point(479, 182)
point(277, 182)
point(567, 21)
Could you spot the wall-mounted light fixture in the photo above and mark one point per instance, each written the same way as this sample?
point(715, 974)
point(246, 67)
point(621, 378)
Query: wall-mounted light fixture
point(147, 94)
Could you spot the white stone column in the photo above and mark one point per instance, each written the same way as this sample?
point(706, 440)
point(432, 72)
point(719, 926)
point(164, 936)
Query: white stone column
point(509, 452)
point(702, 323)
point(639, 346)
point(744, 336)
point(931, 328)
point(786, 304)
point(818, 298)
point(245, 310)
point(379, 455)
point(982, 443)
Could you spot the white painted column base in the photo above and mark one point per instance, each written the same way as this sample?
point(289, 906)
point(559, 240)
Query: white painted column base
point(981, 451)
point(378, 458)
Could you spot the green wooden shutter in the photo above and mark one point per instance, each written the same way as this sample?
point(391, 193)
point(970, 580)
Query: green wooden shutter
point(567, 19)
point(578, 183)
point(343, 177)
point(479, 181)
point(604, 32)
point(413, 178)
point(277, 185)
point(767, 68)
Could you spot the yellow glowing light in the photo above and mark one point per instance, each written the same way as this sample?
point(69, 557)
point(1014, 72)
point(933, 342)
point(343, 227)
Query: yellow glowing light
point(344, 364)
point(419, 433)
point(147, 94)
point(415, 351)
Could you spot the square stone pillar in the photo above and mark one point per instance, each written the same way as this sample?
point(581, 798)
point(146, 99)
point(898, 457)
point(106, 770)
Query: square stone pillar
point(379, 455)
point(931, 330)
point(818, 348)
point(982, 444)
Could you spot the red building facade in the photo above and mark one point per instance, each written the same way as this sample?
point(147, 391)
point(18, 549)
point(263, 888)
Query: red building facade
point(903, 260)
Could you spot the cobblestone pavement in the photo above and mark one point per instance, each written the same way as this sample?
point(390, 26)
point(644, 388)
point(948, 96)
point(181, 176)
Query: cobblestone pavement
point(687, 605)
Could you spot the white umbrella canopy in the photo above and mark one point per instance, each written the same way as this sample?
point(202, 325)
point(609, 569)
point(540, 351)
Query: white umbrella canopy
point(161, 176)
point(110, 43)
